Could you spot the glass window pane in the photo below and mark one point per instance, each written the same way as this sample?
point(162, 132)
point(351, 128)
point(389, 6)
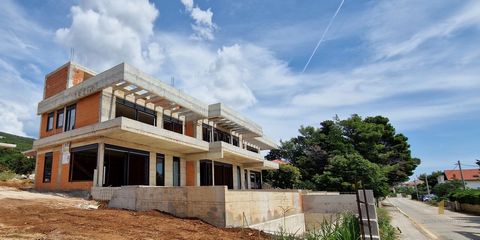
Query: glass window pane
point(47, 168)
point(60, 115)
point(146, 118)
point(50, 121)
point(176, 171)
point(83, 162)
point(160, 170)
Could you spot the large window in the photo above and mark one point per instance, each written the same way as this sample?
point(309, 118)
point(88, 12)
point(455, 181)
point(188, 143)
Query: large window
point(83, 161)
point(47, 167)
point(172, 124)
point(235, 141)
point(219, 135)
point(223, 174)
point(50, 121)
point(125, 166)
point(206, 178)
point(245, 174)
point(124, 108)
point(256, 180)
point(60, 116)
point(160, 169)
point(176, 171)
point(206, 132)
point(70, 118)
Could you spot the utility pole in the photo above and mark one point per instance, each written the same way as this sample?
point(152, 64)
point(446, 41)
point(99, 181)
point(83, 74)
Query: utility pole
point(426, 182)
point(461, 174)
point(416, 188)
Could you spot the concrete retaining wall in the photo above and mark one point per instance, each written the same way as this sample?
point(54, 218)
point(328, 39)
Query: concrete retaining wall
point(103, 193)
point(206, 203)
point(318, 207)
point(247, 207)
point(294, 224)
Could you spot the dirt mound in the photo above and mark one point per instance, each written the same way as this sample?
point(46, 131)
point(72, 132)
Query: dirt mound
point(53, 217)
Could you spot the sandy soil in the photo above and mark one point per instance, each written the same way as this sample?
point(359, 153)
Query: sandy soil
point(32, 215)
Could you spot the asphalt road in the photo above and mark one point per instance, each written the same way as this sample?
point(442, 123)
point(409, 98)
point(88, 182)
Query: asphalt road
point(450, 225)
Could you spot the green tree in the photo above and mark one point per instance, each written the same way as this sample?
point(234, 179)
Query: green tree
point(318, 151)
point(344, 171)
point(432, 178)
point(286, 177)
point(14, 160)
point(443, 189)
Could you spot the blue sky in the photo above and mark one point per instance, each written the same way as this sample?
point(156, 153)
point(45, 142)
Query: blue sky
point(416, 62)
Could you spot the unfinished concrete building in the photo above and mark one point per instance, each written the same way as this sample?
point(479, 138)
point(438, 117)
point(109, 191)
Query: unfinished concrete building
point(123, 127)
point(141, 144)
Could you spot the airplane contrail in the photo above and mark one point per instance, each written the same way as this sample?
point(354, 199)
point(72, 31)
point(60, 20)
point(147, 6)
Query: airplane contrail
point(323, 36)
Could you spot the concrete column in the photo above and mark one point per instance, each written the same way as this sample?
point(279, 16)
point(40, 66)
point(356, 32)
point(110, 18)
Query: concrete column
point(152, 176)
point(235, 177)
point(183, 172)
point(159, 117)
point(197, 173)
point(100, 164)
point(107, 106)
point(213, 173)
point(240, 141)
point(248, 179)
point(198, 130)
point(168, 170)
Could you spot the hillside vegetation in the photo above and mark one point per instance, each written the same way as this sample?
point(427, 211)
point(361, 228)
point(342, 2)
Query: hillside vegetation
point(12, 160)
point(23, 143)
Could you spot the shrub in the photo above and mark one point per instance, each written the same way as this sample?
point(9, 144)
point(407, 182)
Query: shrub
point(471, 196)
point(6, 175)
point(442, 189)
point(15, 161)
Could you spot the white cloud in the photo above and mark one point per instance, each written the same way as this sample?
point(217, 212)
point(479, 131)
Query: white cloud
point(203, 27)
point(15, 112)
point(104, 33)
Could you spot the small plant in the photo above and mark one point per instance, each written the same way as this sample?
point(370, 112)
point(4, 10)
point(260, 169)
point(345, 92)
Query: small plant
point(344, 227)
point(6, 175)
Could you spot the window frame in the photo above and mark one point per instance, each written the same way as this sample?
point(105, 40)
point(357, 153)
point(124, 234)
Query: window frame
point(175, 123)
point(69, 123)
point(50, 120)
point(59, 124)
point(72, 159)
point(50, 158)
point(138, 109)
point(176, 159)
point(161, 157)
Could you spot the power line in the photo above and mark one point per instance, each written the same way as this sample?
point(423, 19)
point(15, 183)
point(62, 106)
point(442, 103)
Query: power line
point(323, 36)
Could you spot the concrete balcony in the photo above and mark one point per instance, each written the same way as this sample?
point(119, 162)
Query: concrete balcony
point(128, 130)
point(225, 152)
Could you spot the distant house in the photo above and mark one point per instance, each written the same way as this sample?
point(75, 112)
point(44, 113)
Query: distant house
point(471, 177)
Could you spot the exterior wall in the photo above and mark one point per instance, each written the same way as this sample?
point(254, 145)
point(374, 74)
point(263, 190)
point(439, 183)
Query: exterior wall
point(39, 184)
point(473, 184)
point(87, 113)
point(56, 82)
point(88, 110)
point(190, 169)
point(190, 128)
point(318, 207)
point(43, 126)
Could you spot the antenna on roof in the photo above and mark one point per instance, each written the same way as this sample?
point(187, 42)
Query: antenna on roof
point(72, 54)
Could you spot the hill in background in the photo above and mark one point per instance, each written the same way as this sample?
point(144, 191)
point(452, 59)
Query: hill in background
point(23, 143)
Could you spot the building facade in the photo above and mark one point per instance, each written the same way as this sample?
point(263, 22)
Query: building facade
point(122, 127)
point(470, 176)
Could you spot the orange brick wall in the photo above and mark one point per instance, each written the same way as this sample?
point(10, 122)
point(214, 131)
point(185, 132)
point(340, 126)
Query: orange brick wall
point(88, 110)
point(189, 131)
point(190, 173)
point(65, 175)
point(43, 126)
point(56, 82)
point(39, 184)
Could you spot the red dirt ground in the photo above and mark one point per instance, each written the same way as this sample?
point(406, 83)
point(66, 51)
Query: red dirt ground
point(30, 215)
